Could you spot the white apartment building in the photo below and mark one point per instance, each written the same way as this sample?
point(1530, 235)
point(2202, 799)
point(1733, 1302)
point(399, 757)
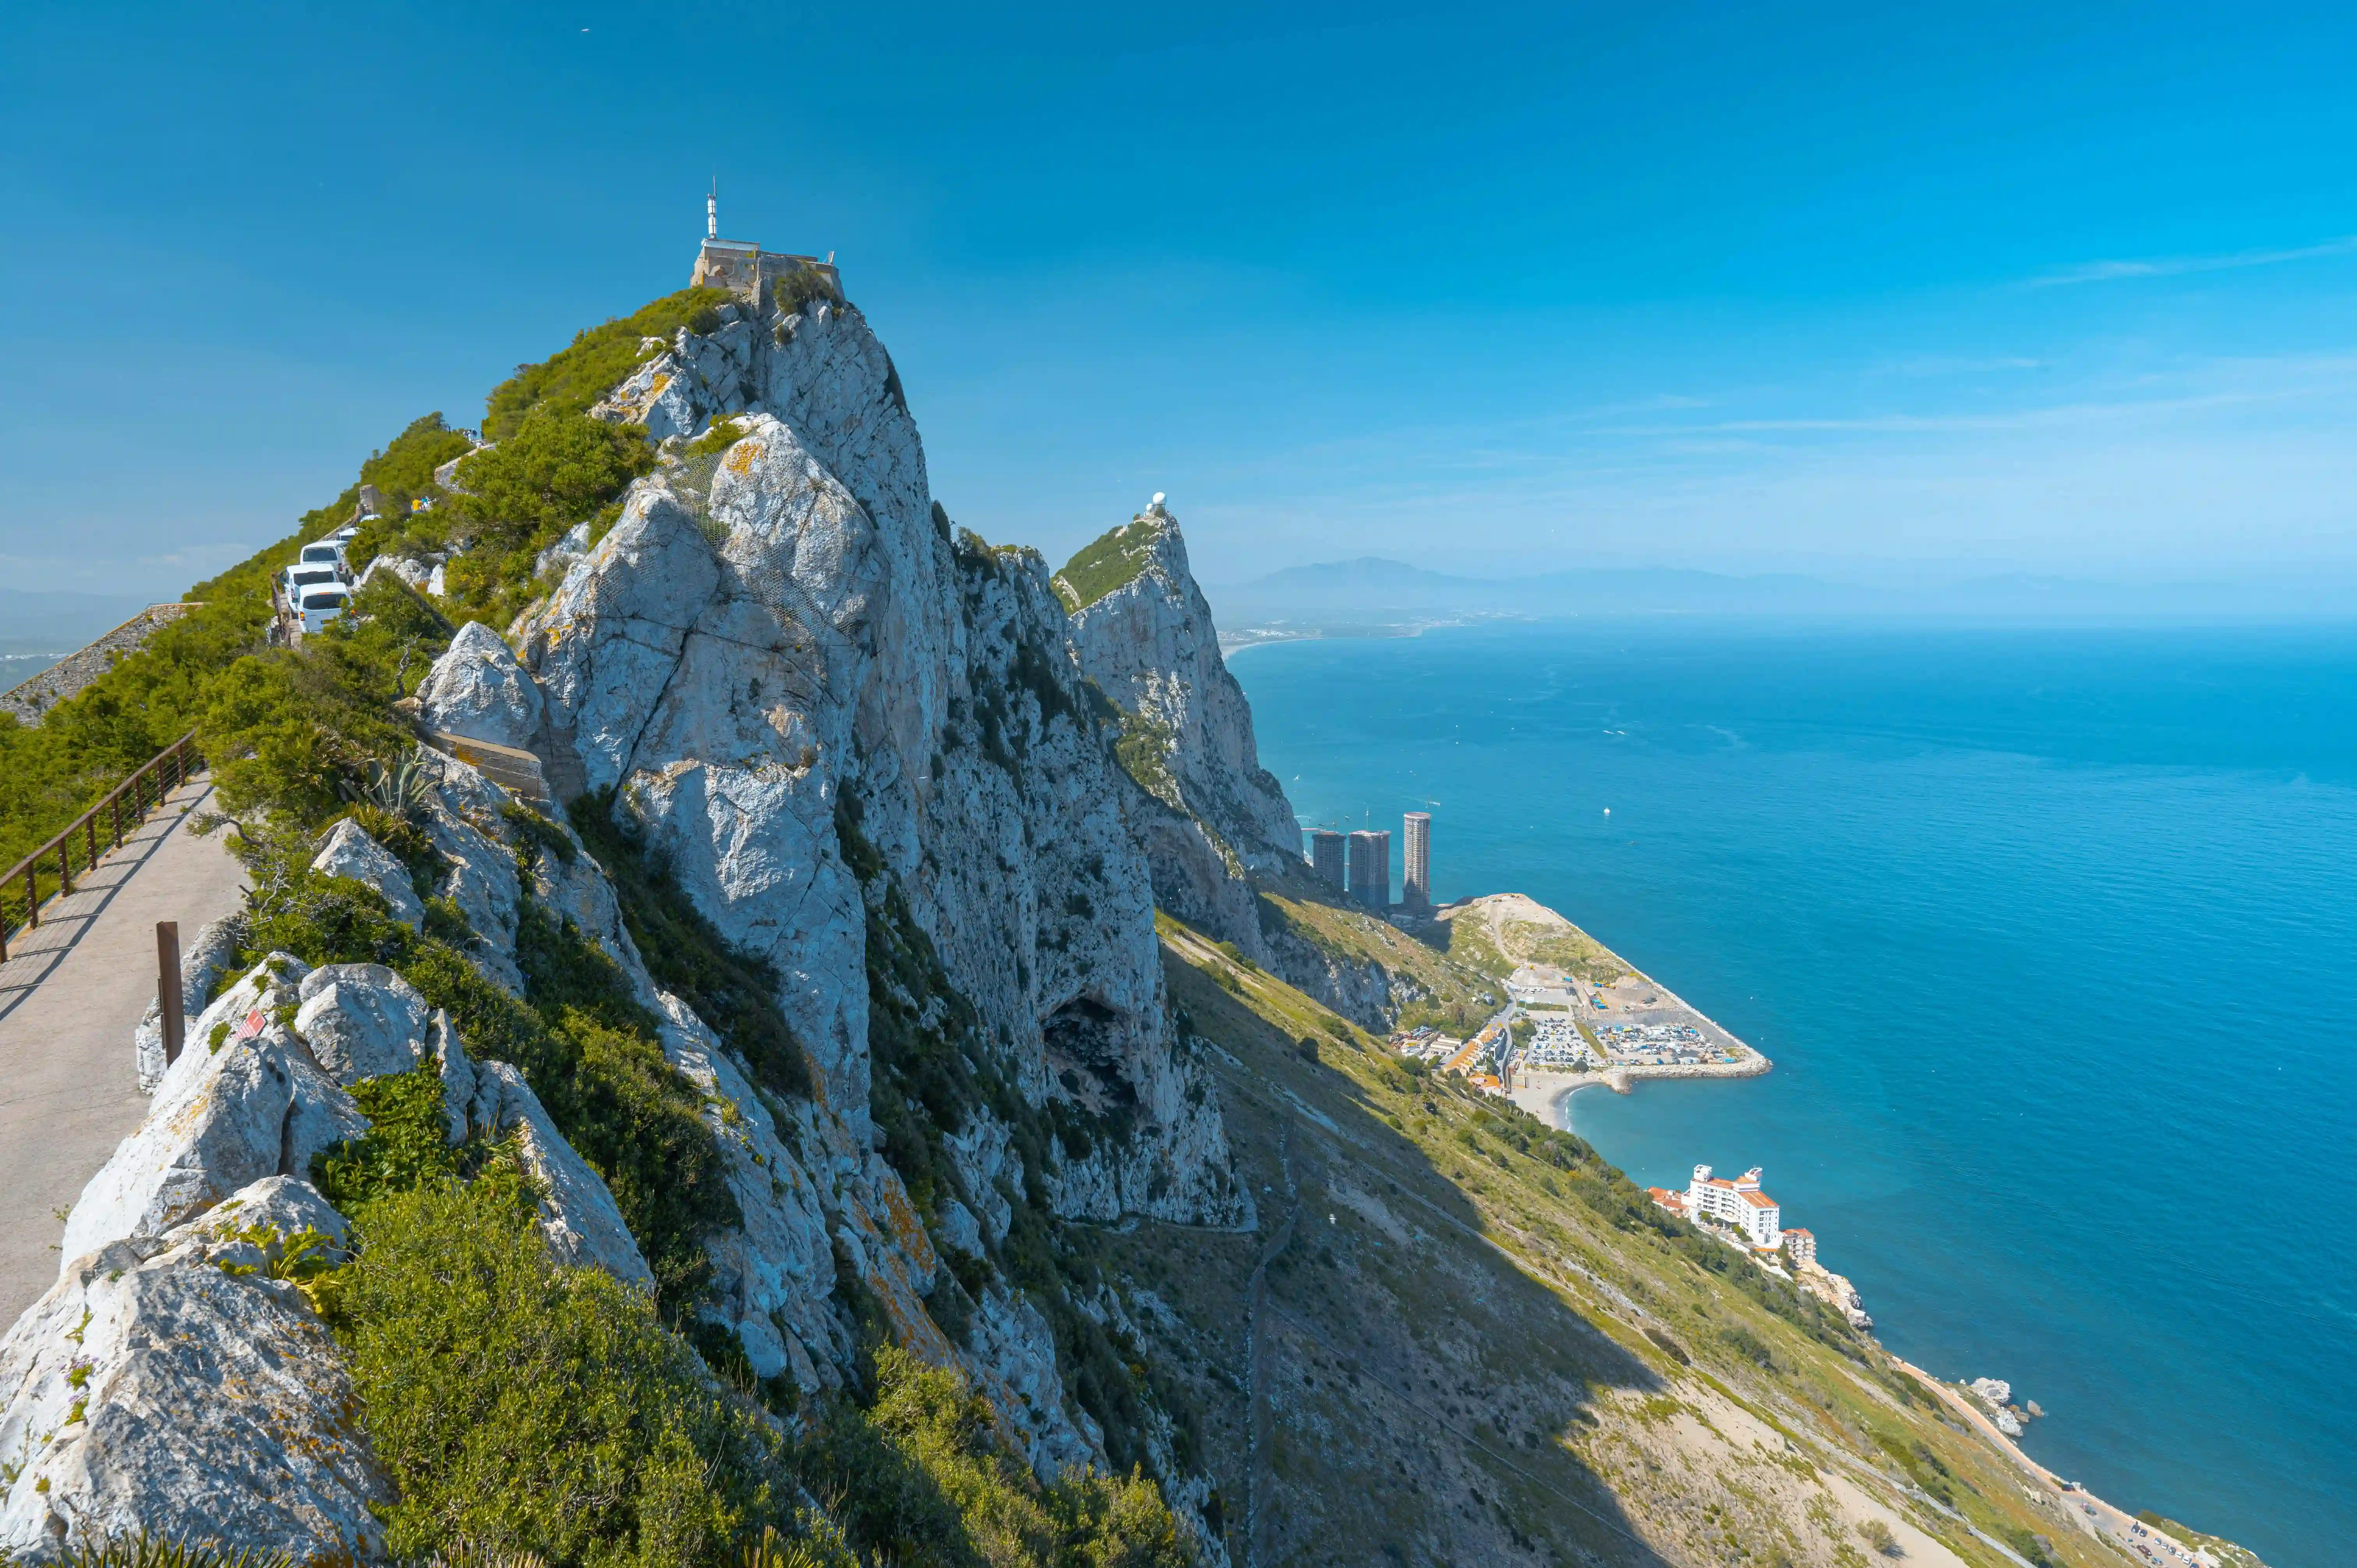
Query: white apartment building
point(1739, 1203)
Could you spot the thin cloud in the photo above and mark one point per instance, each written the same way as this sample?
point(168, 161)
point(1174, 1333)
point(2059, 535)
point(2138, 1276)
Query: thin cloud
point(2176, 266)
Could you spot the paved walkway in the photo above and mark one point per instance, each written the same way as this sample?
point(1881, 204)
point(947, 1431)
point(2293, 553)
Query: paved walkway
point(70, 994)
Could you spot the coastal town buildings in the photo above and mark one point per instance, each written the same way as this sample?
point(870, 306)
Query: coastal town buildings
point(1415, 884)
point(1721, 1206)
point(1371, 868)
point(1739, 1203)
point(1326, 857)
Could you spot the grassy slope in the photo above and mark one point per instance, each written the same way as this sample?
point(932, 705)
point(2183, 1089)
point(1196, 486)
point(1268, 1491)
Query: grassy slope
point(1456, 1354)
point(1112, 561)
point(1460, 979)
point(1521, 932)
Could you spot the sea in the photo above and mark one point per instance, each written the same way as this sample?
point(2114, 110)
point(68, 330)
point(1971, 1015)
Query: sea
point(2051, 934)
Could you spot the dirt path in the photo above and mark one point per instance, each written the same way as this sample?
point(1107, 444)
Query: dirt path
point(73, 990)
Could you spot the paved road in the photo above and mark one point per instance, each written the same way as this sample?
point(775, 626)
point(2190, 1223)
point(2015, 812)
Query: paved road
point(70, 994)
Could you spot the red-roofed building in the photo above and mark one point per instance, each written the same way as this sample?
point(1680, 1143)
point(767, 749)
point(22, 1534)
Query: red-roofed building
point(1801, 1244)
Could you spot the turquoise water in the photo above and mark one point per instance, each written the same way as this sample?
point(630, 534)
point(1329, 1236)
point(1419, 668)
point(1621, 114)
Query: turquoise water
point(2052, 936)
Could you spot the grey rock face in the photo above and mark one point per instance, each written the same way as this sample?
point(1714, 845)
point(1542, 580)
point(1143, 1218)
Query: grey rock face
point(168, 1384)
point(1206, 814)
point(478, 871)
point(1151, 646)
point(416, 573)
point(350, 851)
point(576, 1210)
point(780, 641)
point(561, 556)
point(360, 1020)
point(478, 689)
point(244, 1101)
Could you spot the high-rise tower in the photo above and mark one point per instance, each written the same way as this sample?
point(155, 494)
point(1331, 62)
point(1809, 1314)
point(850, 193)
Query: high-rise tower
point(1326, 857)
point(1370, 869)
point(1415, 887)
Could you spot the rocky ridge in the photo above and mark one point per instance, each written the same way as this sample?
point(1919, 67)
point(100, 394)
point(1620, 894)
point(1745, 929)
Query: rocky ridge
point(842, 728)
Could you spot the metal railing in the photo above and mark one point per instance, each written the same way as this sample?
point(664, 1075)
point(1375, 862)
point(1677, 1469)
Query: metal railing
point(142, 793)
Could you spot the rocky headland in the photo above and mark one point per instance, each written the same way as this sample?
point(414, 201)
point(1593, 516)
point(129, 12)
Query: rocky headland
point(880, 1087)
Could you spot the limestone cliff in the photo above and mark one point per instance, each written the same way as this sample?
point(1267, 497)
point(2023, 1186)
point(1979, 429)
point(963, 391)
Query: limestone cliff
point(1205, 812)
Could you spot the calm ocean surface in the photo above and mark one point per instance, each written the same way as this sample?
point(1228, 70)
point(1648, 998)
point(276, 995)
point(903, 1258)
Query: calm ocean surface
point(2053, 935)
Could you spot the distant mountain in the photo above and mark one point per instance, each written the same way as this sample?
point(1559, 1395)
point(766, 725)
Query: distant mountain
point(56, 623)
point(1373, 593)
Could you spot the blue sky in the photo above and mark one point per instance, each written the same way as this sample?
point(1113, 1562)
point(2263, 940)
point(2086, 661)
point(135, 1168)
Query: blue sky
point(1844, 290)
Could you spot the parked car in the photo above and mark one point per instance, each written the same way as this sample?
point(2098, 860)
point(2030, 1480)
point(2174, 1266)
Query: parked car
point(307, 573)
point(322, 552)
point(321, 603)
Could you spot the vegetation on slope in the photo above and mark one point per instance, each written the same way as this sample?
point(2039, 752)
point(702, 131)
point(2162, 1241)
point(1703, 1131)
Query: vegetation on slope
point(211, 672)
point(1445, 980)
point(598, 356)
point(1112, 561)
point(1480, 1342)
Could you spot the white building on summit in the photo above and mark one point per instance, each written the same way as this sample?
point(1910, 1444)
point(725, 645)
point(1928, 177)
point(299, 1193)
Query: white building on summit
point(1739, 1203)
point(743, 266)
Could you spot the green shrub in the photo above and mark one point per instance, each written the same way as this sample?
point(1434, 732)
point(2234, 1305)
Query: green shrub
point(406, 1145)
point(523, 1406)
point(599, 358)
point(1112, 561)
point(555, 469)
point(724, 433)
point(800, 289)
point(920, 1479)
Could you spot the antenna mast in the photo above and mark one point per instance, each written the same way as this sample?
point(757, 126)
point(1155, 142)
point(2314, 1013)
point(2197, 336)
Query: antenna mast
point(711, 211)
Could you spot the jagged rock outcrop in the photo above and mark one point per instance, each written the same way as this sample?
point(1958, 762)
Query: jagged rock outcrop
point(350, 851)
point(174, 1383)
point(750, 655)
point(1215, 825)
point(478, 691)
point(825, 712)
point(1207, 815)
point(1148, 642)
point(491, 1100)
point(244, 1101)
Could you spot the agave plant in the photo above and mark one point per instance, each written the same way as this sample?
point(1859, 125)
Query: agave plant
point(155, 1552)
point(399, 790)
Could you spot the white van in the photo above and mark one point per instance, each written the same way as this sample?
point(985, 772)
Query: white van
point(307, 573)
point(320, 602)
point(323, 552)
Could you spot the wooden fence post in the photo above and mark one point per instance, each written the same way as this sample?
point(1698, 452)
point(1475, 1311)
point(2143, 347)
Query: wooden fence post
point(167, 987)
